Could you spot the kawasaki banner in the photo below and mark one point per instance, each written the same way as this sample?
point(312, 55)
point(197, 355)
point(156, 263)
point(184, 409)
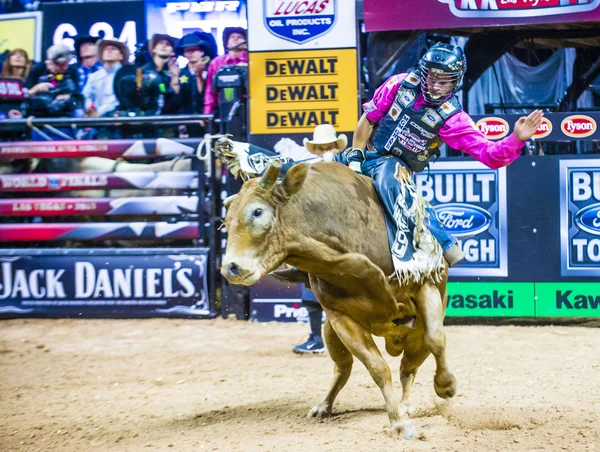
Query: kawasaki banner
point(568, 299)
point(490, 299)
point(105, 283)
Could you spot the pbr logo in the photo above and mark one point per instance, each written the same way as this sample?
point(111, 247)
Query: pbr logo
point(543, 130)
point(580, 217)
point(518, 8)
point(470, 200)
point(493, 128)
point(300, 21)
point(578, 126)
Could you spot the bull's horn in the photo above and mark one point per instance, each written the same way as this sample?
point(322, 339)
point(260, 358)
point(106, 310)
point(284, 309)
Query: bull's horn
point(270, 177)
point(227, 201)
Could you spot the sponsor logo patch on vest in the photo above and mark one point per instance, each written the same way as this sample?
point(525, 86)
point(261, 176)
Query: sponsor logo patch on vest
point(413, 79)
point(406, 97)
point(395, 111)
point(431, 118)
point(448, 108)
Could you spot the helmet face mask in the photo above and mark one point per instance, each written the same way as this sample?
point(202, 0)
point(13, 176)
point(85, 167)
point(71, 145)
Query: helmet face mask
point(442, 69)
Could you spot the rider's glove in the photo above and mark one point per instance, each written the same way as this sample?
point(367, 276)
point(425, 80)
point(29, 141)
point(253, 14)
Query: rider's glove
point(355, 157)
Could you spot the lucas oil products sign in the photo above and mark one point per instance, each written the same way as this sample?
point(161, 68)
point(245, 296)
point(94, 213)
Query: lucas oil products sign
point(580, 217)
point(297, 25)
point(470, 200)
point(102, 283)
point(293, 92)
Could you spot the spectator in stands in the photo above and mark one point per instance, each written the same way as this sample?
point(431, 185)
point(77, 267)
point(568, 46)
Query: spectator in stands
point(163, 73)
point(17, 65)
point(99, 94)
point(324, 140)
point(53, 85)
point(198, 48)
point(236, 48)
point(86, 50)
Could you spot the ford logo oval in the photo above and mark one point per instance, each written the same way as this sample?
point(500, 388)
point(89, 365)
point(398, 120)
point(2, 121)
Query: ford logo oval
point(588, 219)
point(463, 220)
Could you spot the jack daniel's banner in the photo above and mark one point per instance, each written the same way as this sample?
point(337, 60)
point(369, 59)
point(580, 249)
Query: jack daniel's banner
point(105, 283)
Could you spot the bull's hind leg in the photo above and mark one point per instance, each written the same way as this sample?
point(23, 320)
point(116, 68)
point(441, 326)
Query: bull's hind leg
point(429, 303)
point(361, 344)
point(414, 355)
point(342, 359)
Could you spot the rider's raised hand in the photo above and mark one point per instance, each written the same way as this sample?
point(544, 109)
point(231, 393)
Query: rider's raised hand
point(525, 127)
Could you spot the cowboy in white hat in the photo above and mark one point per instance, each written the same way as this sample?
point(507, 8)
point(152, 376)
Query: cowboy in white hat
point(325, 139)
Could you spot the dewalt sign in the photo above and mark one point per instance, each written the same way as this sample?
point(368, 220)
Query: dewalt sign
point(292, 92)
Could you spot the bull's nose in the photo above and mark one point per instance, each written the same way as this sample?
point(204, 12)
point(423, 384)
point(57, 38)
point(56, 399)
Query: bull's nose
point(233, 269)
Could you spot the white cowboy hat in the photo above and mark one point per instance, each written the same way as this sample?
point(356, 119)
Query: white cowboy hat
point(325, 134)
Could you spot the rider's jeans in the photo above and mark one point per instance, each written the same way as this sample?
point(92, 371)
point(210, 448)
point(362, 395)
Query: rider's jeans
point(369, 168)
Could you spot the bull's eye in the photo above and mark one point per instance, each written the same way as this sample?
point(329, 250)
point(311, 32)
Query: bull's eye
point(257, 213)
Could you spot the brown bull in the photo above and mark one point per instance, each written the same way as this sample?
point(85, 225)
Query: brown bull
point(327, 221)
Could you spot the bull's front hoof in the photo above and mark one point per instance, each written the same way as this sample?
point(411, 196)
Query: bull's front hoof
point(445, 385)
point(319, 411)
point(407, 409)
point(405, 429)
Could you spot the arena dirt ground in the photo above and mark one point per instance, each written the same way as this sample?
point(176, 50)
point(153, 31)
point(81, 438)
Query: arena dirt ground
point(186, 385)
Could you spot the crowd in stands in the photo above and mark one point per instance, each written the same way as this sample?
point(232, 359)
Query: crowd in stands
point(104, 82)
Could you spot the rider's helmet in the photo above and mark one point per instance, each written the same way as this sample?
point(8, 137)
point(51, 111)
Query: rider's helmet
point(445, 64)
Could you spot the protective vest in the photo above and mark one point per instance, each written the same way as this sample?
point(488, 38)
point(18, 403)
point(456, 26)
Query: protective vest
point(409, 134)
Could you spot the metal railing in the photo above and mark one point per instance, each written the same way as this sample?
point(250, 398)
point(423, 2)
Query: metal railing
point(34, 121)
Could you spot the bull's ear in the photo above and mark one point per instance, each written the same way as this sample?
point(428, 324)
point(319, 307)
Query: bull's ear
point(295, 177)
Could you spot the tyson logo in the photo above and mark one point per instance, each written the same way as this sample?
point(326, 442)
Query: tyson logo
point(493, 128)
point(578, 126)
point(588, 219)
point(463, 220)
point(543, 130)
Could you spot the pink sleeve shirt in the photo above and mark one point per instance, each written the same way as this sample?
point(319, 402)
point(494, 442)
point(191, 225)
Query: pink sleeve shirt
point(210, 97)
point(459, 131)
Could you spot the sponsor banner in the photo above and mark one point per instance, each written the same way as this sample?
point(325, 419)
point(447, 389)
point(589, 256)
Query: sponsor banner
point(474, 299)
point(105, 181)
point(387, 15)
point(279, 310)
point(567, 299)
point(295, 25)
point(142, 205)
point(580, 217)
point(493, 128)
point(155, 282)
point(40, 232)
point(127, 149)
point(11, 89)
point(293, 92)
point(470, 200)
point(22, 31)
point(554, 127)
point(64, 21)
point(180, 18)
